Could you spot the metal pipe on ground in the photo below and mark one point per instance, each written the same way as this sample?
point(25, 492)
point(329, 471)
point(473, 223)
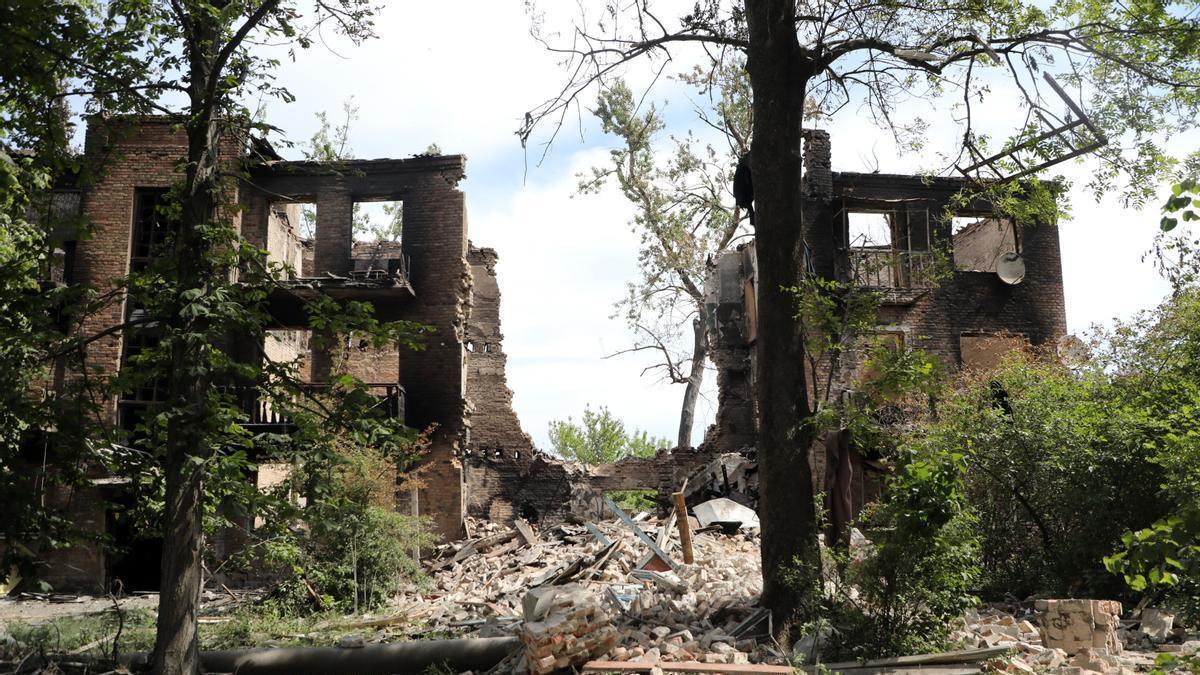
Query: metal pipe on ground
point(382, 659)
point(387, 659)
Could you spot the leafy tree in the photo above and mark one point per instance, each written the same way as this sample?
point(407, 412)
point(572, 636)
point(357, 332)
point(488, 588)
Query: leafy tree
point(684, 215)
point(356, 551)
point(332, 144)
point(1138, 66)
point(195, 450)
point(600, 438)
point(56, 50)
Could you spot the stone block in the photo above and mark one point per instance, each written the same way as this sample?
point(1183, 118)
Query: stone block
point(1073, 625)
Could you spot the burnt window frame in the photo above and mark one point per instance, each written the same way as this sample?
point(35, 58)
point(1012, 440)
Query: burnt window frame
point(145, 244)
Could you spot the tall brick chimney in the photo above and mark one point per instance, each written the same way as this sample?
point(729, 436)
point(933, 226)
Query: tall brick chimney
point(817, 182)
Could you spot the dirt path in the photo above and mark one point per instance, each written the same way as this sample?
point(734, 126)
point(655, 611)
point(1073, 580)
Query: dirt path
point(41, 611)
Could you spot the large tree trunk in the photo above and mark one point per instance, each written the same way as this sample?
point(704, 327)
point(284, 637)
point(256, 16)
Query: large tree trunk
point(188, 443)
point(779, 71)
point(687, 413)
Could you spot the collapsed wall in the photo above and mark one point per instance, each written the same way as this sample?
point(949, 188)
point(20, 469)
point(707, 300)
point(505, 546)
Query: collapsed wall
point(504, 475)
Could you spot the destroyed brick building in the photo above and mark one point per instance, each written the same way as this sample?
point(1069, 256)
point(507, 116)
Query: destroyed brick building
point(424, 278)
point(480, 462)
point(889, 233)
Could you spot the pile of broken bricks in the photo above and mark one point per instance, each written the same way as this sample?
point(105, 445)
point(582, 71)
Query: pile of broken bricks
point(1079, 637)
point(628, 570)
point(614, 596)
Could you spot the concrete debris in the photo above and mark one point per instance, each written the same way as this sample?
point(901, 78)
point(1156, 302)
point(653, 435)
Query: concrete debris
point(724, 510)
point(1037, 635)
point(1157, 623)
point(579, 598)
point(1072, 625)
point(609, 608)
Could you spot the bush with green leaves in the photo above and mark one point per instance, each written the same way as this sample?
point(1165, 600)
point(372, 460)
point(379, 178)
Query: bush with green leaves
point(1056, 466)
point(919, 571)
point(347, 549)
point(1155, 359)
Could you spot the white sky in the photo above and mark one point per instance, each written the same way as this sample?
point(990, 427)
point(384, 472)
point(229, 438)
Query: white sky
point(461, 73)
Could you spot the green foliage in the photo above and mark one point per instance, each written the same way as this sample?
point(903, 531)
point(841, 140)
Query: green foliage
point(600, 438)
point(35, 335)
point(347, 549)
point(633, 501)
point(68, 634)
point(1166, 662)
point(1154, 359)
point(1056, 481)
point(918, 572)
point(684, 214)
point(1176, 251)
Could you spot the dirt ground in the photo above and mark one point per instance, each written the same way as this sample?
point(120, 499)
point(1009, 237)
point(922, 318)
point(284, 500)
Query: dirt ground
point(41, 611)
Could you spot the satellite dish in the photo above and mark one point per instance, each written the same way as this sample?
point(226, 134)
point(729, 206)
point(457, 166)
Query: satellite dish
point(1010, 267)
point(1072, 352)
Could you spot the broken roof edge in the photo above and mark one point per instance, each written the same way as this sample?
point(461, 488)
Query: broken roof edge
point(927, 180)
point(385, 165)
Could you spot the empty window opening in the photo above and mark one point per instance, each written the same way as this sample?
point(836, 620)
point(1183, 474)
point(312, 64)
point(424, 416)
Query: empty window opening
point(151, 227)
point(306, 226)
point(870, 230)
point(287, 225)
point(877, 351)
point(634, 501)
point(133, 559)
point(982, 351)
point(980, 241)
point(380, 220)
point(888, 249)
point(152, 230)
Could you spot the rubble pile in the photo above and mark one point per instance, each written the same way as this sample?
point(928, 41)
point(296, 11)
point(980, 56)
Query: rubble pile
point(658, 610)
point(564, 627)
point(1081, 637)
point(606, 593)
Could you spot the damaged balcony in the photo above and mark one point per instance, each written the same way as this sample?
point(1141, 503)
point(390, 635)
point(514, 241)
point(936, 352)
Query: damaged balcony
point(312, 218)
point(887, 249)
point(382, 281)
point(262, 417)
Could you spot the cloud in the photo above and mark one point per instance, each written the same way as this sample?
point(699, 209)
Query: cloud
point(564, 260)
point(461, 73)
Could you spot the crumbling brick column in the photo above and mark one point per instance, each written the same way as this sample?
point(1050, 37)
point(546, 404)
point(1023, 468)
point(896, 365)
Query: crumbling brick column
point(335, 231)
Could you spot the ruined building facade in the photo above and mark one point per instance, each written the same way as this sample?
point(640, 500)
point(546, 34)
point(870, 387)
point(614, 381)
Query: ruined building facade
point(480, 462)
point(424, 278)
point(960, 281)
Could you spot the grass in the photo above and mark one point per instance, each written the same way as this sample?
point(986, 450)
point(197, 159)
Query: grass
point(68, 634)
point(249, 627)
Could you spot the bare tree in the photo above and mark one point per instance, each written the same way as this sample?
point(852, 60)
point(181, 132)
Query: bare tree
point(1135, 66)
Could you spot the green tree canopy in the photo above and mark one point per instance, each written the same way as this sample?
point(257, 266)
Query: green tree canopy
point(600, 438)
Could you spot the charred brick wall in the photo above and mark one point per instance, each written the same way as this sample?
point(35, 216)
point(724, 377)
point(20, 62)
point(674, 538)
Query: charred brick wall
point(434, 244)
point(494, 423)
point(966, 302)
point(933, 318)
point(136, 153)
point(502, 485)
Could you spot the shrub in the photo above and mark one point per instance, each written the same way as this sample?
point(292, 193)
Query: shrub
point(349, 550)
point(1056, 466)
point(898, 595)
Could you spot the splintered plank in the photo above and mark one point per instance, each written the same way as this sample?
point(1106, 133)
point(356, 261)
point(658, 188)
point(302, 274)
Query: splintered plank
point(526, 532)
point(624, 518)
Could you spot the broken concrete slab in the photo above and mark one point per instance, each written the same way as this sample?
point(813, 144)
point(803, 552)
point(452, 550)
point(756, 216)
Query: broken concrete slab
point(723, 510)
point(1072, 625)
